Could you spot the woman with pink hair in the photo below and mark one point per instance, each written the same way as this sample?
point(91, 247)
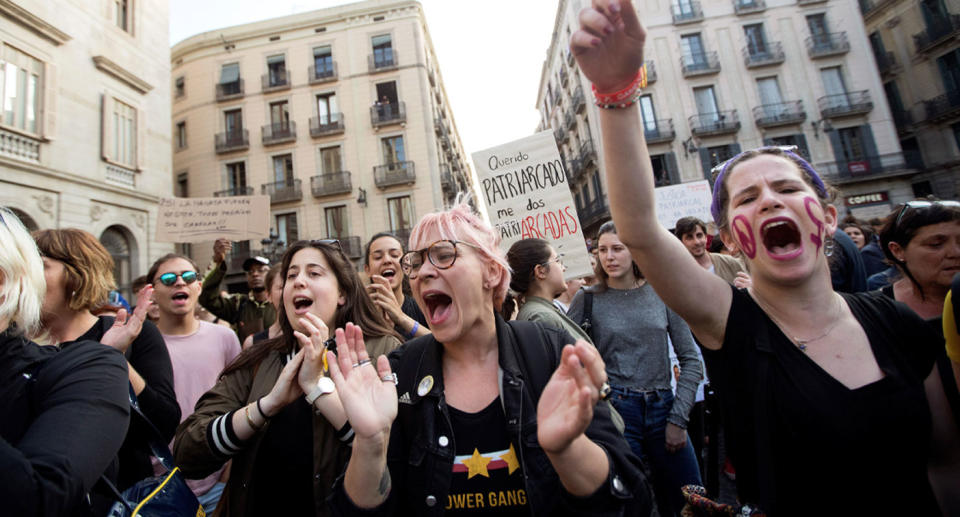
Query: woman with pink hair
point(489, 413)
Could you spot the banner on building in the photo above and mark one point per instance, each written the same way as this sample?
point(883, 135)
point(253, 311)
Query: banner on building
point(523, 186)
point(682, 200)
point(199, 219)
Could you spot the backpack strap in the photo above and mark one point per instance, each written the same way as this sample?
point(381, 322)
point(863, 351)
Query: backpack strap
point(587, 323)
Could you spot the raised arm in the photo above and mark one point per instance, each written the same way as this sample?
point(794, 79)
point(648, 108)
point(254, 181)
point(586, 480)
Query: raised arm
point(609, 50)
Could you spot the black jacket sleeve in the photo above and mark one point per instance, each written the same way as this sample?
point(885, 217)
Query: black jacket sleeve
point(81, 417)
point(148, 355)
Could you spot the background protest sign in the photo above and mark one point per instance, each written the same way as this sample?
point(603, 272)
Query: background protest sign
point(685, 199)
point(524, 189)
point(199, 219)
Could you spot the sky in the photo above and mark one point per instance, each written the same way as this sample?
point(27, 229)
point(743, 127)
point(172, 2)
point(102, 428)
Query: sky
point(490, 54)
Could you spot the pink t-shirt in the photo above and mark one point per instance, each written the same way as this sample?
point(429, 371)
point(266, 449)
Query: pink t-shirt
point(197, 361)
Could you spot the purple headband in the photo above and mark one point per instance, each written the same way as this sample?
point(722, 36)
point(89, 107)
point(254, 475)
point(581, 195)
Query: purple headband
point(804, 164)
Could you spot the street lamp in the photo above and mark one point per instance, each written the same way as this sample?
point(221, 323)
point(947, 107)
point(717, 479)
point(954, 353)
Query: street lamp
point(273, 246)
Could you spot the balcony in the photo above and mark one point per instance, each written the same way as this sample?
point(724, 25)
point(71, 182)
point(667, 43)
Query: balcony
point(282, 191)
point(871, 167)
point(700, 64)
point(322, 74)
point(718, 123)
point(594, 212)
point(779, 114)
point(228, 91)
point(887, 64)
point(571, 60)
point(651, 72)
point(326, 125)
point(868, 8)
point(446, 177)
point(391, 174)
point(829, 44)
point(939, 30)
point(660, 131)
point(382, 61)
point(331, 184)
point(771, 54)
point(574, 169)
point(560, 135)
point(278, 133)
point(235, 191)
point(564, 77)
point(230, 141)
point(809, 2)
point(19, 147)
point(903, 120)
point(579, 101)
point(942, 107)
point(387, 114)
point(741, 7)
point(588, 155)
point(845, 104)
point(351, 246)
point(569, 120)
point(432, 77)
point(686, 12)
point(555, 99)
point(275, 81)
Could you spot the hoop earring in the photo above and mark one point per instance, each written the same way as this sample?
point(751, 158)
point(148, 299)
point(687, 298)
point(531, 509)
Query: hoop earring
point(828, 246)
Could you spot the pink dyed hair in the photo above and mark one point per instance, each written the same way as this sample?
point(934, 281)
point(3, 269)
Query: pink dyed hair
point(460, 223)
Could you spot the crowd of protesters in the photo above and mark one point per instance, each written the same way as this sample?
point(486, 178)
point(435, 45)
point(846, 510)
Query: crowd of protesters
point(451, 377)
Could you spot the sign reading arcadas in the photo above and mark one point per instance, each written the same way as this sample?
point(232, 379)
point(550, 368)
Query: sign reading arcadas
point(199, 219)
point(526, 195)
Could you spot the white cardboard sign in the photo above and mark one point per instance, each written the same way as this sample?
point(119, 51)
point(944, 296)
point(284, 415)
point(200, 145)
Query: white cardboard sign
point(199, 219)
point(682, 200)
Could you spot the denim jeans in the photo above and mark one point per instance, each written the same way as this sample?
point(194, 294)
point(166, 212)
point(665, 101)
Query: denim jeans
point(645, 414)
point(211, 498)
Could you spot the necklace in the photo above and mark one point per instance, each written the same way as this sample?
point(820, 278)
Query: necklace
point(797, 340)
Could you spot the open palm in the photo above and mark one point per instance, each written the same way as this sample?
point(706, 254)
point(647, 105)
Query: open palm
point(369, 401)
point(566, 404)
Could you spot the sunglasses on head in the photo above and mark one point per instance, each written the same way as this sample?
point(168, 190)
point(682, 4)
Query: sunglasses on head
point(785, 148)
point(169, 279)
point(921, 204)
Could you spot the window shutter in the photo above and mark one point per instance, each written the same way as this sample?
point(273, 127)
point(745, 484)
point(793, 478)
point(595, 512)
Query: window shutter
point(673, 173)
point(49, 107)
point(106, 127)
point(140, 152)
point(705, 162)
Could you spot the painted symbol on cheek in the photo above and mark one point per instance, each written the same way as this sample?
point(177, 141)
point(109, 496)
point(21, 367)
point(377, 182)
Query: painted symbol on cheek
point(815, 238)
point(745, 235)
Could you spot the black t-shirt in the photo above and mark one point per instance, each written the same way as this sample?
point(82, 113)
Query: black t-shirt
point(282, 481)
point(410, 308)
point(802, 442)
point(487, 476)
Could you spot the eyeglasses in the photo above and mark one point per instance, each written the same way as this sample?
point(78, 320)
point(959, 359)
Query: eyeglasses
point(169, 279)
point(921, 204)
point(785, 148)
point(442, 254)
point(558, 259)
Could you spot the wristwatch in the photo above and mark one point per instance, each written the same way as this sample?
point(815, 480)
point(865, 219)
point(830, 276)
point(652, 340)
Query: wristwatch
point(324, 386)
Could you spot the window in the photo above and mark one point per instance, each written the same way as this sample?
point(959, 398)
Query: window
point(400, 211)
point(597, 186)
point(876, 44)
point(20, 80)
point(389, 106)
point(720, 154)
point(181, 135)
point(756, 40)
point(336, 219)
point(684, 8)
point(851, 144)
point(233, 122)
point(276, 71)
point(770, 97)
point(648, 115)
point(279, 115)
point(935, 14)
point(327, 108)
point(179, 87)
point(124, 137)
point(283, 169)
point(835, 87)
point(820, 34)
point(323, 62)
point(114, 239)
point(330, 161)
point(230, 79)
point(235, 178)
point(798, 140)
point(949, 65)
point(706, 102)
point(665, 169)
point(183, 189)
point(122, 15)
point(382, 51)
point(393, 150)
point(694, 55)
point(287, 228)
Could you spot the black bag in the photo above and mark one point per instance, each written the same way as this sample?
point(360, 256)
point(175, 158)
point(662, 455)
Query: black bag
point(167, 495)
point(587, 323)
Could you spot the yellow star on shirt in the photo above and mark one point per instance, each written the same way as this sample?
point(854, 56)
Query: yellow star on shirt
point(477, 464)
point(511, 458)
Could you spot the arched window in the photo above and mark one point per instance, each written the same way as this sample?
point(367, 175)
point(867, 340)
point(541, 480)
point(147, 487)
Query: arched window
point(27, 221)
point(115, 239)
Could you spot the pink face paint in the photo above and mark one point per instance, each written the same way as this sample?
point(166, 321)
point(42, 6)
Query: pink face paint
point(744, 234)
point(815, 238)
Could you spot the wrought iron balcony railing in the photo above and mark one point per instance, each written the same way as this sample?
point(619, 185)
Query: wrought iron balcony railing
point(701, 63)
point(273, 81)
point(323, 73)
point(718, 123)
point(278, 133)
point(748, 6)
point(939, 29)
point(234, 191)
point(330, 124)
point(397, 173)
point(827, 44)
point(770, 54)
point(845, 104)
point(779, 114)
point(382, 61)
point(331, 184)
point(686, 11)
point(231, 90)
point(283, 191)
point(660, 131)
point(229, 141)
point(388, 113)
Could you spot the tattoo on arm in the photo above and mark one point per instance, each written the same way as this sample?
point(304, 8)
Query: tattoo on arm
point(384, 486)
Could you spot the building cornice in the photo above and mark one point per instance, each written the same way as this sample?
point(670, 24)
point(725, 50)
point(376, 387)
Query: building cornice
point(74, 178)
point(108, 67)
point(42, 28)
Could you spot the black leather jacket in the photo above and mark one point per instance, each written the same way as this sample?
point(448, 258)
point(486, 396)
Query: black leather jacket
point(421, 468)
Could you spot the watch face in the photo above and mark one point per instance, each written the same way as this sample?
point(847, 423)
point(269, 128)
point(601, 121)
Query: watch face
point(326, 384)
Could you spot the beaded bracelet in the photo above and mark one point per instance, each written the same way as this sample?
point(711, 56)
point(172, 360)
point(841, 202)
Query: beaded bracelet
point(623, 98)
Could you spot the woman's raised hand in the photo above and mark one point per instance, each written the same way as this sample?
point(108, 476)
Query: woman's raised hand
point(609, 44)
point(126, 328)
point(566, 404)
point(312, 346)
point(368, 392)
point(286, 389)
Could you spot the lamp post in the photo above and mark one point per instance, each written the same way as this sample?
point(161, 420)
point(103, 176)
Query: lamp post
point(273, 247)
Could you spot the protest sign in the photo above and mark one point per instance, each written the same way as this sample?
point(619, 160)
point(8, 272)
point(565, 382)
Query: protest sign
point(682, 200)
point(199, 219)
point(525, 191)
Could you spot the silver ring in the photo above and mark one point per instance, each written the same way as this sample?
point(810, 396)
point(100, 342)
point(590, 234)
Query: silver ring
point(364, 362)
point(356, 365)
point(390, 377)
point(605, 390)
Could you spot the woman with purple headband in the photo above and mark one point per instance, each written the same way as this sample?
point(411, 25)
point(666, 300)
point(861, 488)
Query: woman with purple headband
point(822, 393)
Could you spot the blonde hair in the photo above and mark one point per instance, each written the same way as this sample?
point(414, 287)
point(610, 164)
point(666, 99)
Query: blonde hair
point(22, 284)
point(460, 223)
point(88, 266)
